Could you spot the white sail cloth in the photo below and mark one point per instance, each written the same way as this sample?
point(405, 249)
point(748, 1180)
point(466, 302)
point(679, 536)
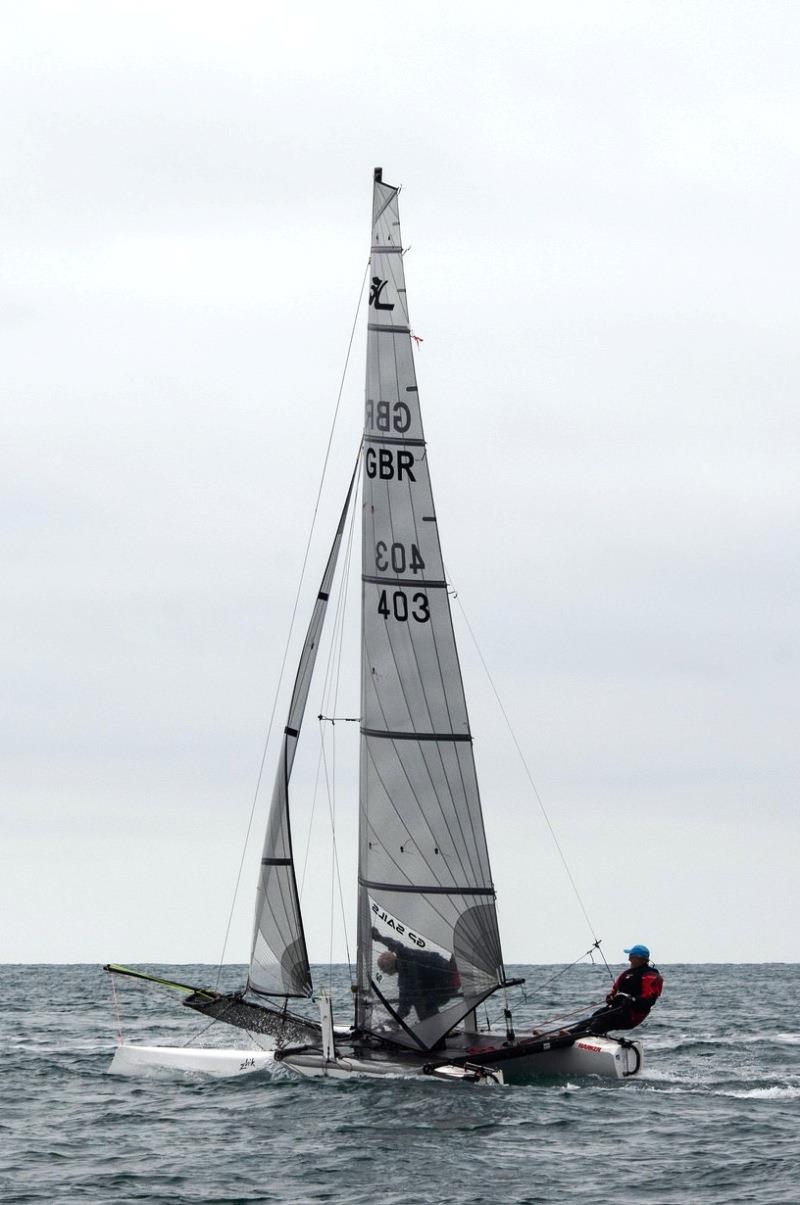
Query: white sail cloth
point(279, 959)
point(425, 887)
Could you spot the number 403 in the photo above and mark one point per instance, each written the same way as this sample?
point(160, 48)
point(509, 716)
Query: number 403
point(398, 558)
point(396, 605)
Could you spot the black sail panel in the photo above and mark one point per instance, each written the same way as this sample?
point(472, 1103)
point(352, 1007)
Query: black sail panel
point(429, 948)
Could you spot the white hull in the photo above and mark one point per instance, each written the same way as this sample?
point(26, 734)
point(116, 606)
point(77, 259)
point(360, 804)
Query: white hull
point(588, 1056)
point(602, 1057)
point(223, 1063)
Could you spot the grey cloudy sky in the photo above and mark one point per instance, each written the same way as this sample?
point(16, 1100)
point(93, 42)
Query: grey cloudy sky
point(601, 206)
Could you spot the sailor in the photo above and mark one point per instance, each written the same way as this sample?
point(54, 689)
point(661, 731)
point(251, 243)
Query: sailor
point(633, 993)
point(425, 980)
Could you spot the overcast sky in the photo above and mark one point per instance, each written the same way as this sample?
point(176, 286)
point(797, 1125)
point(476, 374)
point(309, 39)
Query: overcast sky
point(600, 202)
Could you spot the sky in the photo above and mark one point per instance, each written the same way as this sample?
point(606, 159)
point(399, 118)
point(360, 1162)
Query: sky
point(600, 208)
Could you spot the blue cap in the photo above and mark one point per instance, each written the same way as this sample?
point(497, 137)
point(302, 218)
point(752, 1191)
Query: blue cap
point(639, 951)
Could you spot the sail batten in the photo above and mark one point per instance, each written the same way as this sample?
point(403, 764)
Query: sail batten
point(429, 948)
point(457, 889)
point(416, 736)
point(279, 958)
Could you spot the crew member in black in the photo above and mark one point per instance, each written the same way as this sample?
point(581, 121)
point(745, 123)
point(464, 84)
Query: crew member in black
point(425, 980)
point(632, 995)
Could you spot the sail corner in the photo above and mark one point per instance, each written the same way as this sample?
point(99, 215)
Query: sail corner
point(378, 175)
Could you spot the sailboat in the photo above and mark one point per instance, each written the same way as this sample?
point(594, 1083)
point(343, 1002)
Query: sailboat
point(429, 951)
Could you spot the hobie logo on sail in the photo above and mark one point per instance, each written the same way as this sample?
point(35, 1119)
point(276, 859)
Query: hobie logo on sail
point(378, 286)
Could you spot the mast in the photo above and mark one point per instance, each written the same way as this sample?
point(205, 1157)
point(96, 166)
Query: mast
point(425, 886)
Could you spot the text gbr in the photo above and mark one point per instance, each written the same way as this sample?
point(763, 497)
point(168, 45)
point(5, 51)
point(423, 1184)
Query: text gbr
point(389, 464)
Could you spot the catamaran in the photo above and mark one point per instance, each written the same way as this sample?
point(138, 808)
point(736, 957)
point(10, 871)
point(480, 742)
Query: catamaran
point(429, 951)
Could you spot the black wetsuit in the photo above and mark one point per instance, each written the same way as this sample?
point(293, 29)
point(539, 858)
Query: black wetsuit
point(632, 995)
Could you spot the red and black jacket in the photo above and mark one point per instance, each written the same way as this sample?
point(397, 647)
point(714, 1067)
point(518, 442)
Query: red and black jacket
point(643, 985)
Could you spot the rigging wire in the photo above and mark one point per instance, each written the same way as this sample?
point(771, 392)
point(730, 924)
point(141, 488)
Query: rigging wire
point(539, 987)
point(291, 628)
point(330, 698)
point(537, 796)
point(310, 824)
point(325, 701)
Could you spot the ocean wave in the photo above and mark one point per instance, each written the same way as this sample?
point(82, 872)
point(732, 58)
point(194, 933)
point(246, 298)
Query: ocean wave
point(774, 1092)
point(687, 1042)
point(715, 1118)
point(87, 1046)
point(660, 1075)
point(777, 1092)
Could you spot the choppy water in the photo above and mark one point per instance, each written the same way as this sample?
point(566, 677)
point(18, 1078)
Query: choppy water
point(714, 1119)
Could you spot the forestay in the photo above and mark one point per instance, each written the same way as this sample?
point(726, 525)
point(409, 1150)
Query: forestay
point(279, 959)
point(425, 886)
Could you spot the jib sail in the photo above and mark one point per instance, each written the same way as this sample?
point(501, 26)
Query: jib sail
point(279, 959)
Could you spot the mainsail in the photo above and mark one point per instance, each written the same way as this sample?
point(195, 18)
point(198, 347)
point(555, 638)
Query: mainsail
point(429, 948)
point(279, 959)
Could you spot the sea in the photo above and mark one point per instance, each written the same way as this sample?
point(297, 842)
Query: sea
point(713, 1119)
